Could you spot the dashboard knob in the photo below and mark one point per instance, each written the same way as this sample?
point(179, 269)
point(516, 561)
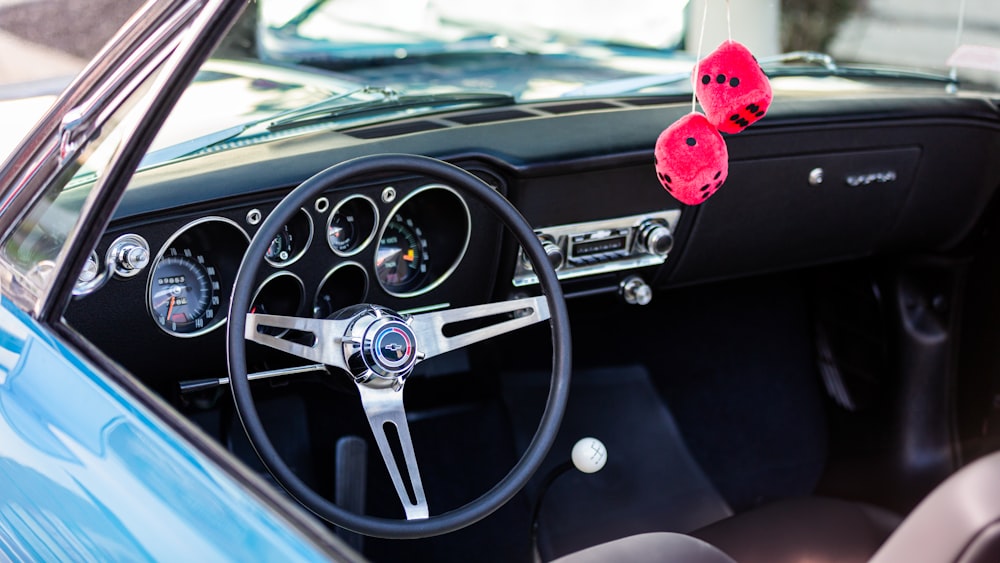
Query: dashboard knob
point(553, 252)
point(654, 238)
point(635, 291)
point(133, 258)
point(128, 255)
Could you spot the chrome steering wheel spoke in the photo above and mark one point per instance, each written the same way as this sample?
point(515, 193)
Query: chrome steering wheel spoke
point(327, 337)
point(383, 407)
point(512, 315)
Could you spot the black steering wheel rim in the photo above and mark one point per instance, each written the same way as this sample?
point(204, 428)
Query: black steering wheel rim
point(555, 405)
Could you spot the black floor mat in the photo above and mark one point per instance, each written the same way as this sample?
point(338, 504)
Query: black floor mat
point(650, 483)
point(462, 453)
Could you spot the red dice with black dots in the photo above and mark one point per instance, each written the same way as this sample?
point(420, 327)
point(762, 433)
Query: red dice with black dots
point(732, 88)
point(691, 159)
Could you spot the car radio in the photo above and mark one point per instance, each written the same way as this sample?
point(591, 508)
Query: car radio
point(597, 247)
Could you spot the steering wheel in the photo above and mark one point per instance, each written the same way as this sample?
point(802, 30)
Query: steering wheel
point(378, 348)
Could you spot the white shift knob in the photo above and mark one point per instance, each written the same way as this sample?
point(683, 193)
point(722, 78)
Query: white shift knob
point(589, 455)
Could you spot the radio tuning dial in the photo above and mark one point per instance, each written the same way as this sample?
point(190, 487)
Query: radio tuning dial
point(654, 238)
point(552, 251)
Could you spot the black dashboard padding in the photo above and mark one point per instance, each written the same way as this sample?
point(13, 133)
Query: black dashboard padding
point(770, 216)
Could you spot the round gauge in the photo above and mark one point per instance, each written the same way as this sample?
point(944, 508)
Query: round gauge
point(344, 286)
point(281, 294)
point(183, 292)
point(352, 225)
point(91, 277)
point(401, 259)
point(342, 232)
point(280, 249)
point(291, 241)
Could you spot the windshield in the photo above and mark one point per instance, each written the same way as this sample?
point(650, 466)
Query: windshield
point(523, 23)
point(295, 66)
point(638, 36)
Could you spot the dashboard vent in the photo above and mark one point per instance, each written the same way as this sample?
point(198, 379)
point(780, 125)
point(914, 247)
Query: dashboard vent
point(486, 116)
point(575, 107)
point(379, 131)
point(490, 116)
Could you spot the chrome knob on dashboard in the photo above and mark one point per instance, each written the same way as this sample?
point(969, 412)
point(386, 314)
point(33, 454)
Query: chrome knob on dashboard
point(553, 252)
point(635, 291)
point(133, 258)
point(654, 238)
point(128, 255)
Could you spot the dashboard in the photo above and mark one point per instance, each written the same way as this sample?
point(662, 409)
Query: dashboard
point(820, 180)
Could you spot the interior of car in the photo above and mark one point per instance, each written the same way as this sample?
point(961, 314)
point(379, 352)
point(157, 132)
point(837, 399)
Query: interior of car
point(785, 370)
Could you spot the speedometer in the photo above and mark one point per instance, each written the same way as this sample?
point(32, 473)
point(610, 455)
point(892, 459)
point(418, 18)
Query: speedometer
point(401, 260)
point(183, 293)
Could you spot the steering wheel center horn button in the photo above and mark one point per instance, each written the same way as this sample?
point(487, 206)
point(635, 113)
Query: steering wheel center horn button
point(380, 348)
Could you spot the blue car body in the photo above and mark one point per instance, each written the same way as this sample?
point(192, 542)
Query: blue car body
point(88, 474)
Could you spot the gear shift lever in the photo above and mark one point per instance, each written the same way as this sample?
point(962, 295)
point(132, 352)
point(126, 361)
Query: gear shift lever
point(589, 455)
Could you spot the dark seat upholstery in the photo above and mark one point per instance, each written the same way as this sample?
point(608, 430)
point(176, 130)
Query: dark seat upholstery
point(812, 529)
point(803, 529)
point(959, 522)
point(655, 546)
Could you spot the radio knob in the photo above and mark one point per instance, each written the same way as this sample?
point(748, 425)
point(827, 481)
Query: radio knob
point(553, 252)
point(654, 238)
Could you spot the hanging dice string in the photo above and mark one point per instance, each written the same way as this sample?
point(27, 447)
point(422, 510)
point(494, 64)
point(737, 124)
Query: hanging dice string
point(691, 156)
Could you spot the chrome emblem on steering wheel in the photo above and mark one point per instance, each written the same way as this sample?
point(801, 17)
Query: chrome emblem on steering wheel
point(391, 348)
point(379, 347)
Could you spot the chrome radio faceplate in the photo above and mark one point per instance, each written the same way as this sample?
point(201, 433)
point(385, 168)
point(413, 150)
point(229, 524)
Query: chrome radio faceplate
point(597, 247)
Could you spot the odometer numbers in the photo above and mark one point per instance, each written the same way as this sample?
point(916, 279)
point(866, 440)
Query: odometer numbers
point(183, 292)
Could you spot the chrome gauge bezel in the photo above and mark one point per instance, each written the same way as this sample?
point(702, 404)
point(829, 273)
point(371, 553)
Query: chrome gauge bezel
point(361, 245)
point(270, 279)
point(329, 275)
point(302, 249)
point(400, 205)
point(216, 321)
point(83, 288)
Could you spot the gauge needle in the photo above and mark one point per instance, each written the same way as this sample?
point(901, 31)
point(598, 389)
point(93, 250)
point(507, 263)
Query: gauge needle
point(170, 309)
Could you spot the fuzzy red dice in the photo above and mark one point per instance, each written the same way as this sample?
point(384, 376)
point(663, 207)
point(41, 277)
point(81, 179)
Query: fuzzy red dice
point(691, 159)
point(732, 88)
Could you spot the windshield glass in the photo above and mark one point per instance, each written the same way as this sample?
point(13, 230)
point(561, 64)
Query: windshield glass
point(382, 23)
point(295, 66)
point(638, 36)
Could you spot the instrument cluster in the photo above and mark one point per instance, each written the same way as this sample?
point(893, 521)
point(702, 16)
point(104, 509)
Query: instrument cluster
point(342, 250)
